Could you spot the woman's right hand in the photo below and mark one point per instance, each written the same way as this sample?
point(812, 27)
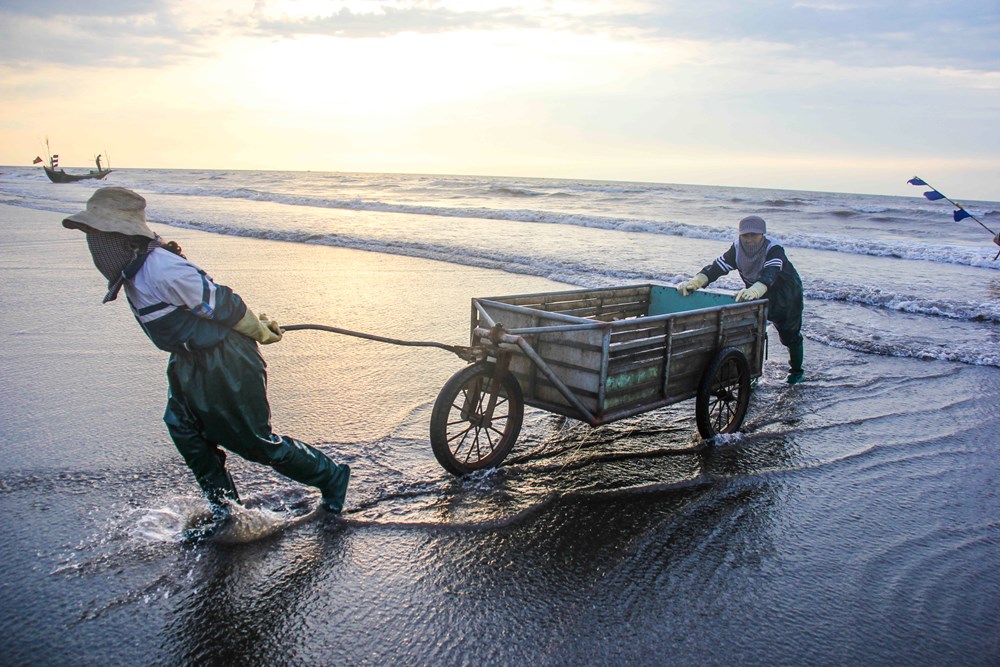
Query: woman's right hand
point(693, 285)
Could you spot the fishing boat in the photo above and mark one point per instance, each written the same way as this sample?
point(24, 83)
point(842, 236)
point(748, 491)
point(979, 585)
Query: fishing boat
point(59, 175)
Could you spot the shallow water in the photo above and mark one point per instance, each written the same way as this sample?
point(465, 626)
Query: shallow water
point(854, 521)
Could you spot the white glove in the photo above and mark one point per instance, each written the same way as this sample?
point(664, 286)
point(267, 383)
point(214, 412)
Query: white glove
point(752, 293)
point(692, 285)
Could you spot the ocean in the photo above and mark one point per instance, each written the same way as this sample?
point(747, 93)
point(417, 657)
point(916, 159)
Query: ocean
point(898, 267)
point(855, 521)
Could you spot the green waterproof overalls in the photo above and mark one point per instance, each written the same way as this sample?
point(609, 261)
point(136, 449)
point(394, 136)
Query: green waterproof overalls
point(218, 397)
point(217, 382)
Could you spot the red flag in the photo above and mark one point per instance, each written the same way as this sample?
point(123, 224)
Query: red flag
point(36, 160)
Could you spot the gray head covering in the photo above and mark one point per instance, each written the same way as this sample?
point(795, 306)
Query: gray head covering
point(113, 209)
point(753, 224)
point(750, 256)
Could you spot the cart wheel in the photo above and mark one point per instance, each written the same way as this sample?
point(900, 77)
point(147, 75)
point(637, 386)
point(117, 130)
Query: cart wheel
point(466, 432)
point(723, 394)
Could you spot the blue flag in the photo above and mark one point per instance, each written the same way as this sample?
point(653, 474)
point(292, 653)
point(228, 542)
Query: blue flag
point(959, 214)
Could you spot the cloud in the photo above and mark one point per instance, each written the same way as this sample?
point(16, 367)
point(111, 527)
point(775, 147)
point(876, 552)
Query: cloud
point(884, 33)
point(111, 33)
point(392, 21)
point(69, 8)
point(963, 34)
point(818, 4)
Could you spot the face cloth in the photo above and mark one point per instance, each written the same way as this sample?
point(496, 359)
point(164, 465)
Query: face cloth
point(750, 258)
point(113, 252)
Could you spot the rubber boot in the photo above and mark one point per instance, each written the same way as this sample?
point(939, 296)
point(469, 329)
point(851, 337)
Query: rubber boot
point(333, 495)
point(307, 465)
point(795, 372)
point(220, 519)
point(214, 479)
point(205, 458)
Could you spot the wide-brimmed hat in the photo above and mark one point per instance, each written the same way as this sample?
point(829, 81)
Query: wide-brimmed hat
point(113, 209)
point(753, 224)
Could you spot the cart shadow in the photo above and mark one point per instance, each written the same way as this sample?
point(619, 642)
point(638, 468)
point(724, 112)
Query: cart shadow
point(655, 452)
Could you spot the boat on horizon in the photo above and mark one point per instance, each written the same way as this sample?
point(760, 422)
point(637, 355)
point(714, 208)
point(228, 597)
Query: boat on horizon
point(58, 175)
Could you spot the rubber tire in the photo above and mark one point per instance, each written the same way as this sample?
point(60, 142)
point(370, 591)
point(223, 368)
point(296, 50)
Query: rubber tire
point(732, 399)
point(445, 411)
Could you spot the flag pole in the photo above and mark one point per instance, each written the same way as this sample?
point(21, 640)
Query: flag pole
point(916, 180)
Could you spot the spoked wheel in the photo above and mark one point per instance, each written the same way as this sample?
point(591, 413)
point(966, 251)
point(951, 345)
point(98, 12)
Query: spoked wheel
point(475, 421)
point(723, 394)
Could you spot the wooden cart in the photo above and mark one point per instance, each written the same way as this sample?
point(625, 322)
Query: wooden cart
point(597, 356)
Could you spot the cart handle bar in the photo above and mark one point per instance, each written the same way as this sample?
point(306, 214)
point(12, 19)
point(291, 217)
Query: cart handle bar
point(462, 351)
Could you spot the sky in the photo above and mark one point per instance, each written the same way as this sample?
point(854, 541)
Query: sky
point(827, 95)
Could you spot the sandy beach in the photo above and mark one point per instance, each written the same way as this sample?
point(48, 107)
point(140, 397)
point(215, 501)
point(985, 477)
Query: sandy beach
point(855, 523)
point(324, 387)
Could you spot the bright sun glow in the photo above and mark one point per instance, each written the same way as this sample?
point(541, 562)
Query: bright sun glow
point(735, 94)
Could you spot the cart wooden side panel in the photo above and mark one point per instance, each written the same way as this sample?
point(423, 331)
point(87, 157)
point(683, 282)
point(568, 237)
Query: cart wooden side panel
point(663, 359)
point(650, 351)
point(575, 356)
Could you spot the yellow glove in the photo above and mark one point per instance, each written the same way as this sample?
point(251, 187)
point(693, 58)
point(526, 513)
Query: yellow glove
point(272, 325)
point(751, 293)
point(695, 283)
point(263, 332)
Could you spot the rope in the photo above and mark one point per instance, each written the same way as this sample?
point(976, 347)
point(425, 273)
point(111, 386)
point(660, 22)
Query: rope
point(461, 351)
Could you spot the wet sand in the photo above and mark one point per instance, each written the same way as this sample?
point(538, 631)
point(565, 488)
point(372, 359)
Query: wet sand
point(856, 522)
